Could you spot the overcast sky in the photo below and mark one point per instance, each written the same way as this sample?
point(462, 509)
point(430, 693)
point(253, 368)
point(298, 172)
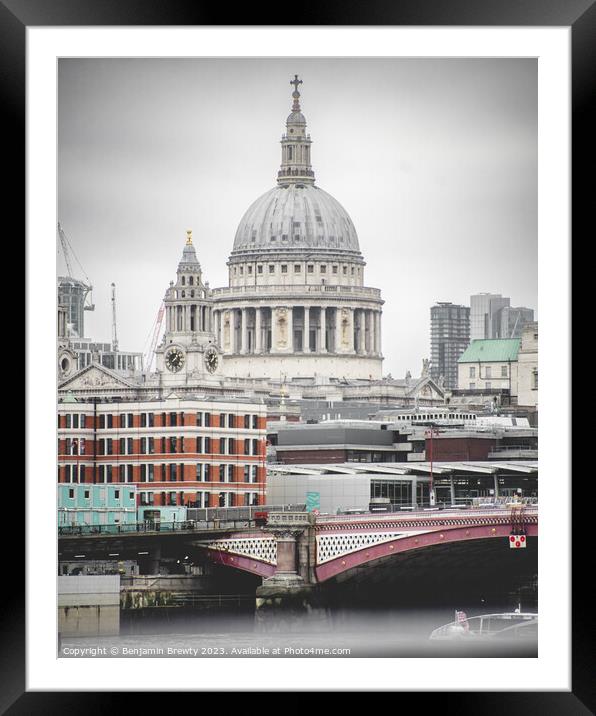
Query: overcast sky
point(434, 160)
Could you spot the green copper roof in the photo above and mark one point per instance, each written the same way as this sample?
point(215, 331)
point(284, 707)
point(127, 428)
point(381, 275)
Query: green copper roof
point(491, 350)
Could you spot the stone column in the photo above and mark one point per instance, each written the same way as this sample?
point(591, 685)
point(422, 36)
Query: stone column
point(377, 315)
point(258, 330)
point(290, 329)
point(362, 331)
point(233, 347)
point(306, 330)
point(243, 331)
point(322, 331)
point(273, 329)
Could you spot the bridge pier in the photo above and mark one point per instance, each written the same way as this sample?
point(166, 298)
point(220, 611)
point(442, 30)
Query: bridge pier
point(286, 598)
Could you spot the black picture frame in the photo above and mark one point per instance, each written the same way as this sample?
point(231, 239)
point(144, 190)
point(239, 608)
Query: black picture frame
point(580, 15)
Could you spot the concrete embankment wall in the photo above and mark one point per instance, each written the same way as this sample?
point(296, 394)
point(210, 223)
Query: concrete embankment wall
point(89, 605)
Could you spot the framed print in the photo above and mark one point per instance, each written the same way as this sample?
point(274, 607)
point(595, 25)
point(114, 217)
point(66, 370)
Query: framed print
point(218, 448)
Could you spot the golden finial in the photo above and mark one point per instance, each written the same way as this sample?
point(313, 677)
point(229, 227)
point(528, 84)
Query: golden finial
point(189, 237)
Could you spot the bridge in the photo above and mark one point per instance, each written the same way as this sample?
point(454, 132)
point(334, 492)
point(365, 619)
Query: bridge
point(299, 550)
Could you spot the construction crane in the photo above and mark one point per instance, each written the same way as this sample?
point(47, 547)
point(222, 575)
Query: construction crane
point(148, 357)
point(65, 249)
point(114, 334)
point(68, 252)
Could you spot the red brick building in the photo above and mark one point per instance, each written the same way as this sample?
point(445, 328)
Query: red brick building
point(178, 452)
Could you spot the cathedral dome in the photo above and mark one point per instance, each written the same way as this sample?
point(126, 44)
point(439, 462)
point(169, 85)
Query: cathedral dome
point(296, 216)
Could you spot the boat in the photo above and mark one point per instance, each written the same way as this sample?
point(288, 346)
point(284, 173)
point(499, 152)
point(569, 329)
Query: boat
point(506, 625)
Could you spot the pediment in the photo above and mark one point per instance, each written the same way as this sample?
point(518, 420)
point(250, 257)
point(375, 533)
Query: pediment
point(96, 376)
point(426, 388)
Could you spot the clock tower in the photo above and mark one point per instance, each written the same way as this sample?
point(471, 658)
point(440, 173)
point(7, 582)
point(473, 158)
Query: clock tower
point(188, 350)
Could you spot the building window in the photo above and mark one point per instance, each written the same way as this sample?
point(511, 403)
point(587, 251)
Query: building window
point(297, 268)
point(199, 418)
point(334, 269)
point(222, 473)
point(487, 372)
point(260, 269)
point(489, 386)
point(503, 371)
point(323, 268)
point(271, 268)
point(472, 386)
point(310, 268)
point(284, 268)
point(535, 379)
point(472, 371)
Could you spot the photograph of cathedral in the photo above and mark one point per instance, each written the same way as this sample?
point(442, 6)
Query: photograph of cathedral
point(280, 359)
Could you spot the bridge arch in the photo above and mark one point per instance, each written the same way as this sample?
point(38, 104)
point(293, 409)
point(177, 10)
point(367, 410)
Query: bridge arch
point(349, 559)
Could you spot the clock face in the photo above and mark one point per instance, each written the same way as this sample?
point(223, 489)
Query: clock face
point(174, 359)
point(211, 360)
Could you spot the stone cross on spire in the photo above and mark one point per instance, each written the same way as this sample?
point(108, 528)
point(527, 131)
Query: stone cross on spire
point(295, 93)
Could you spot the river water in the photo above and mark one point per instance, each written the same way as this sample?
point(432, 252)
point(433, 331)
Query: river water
point(324, 633)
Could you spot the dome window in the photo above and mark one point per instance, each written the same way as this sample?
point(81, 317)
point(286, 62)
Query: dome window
point(310, 268)
point(323, 268)
point(271, 268)
point(183, 280)
point(190, 281)
point(284, 268)
point(259, 269)
point(249, 269)
point(297, 268)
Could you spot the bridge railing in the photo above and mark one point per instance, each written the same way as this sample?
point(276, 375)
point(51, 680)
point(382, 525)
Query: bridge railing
point(135, 527)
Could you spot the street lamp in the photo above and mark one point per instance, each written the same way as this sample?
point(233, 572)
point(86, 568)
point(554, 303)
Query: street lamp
point(430, 434)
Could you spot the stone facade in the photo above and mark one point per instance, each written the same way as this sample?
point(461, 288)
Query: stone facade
point(527, 394)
